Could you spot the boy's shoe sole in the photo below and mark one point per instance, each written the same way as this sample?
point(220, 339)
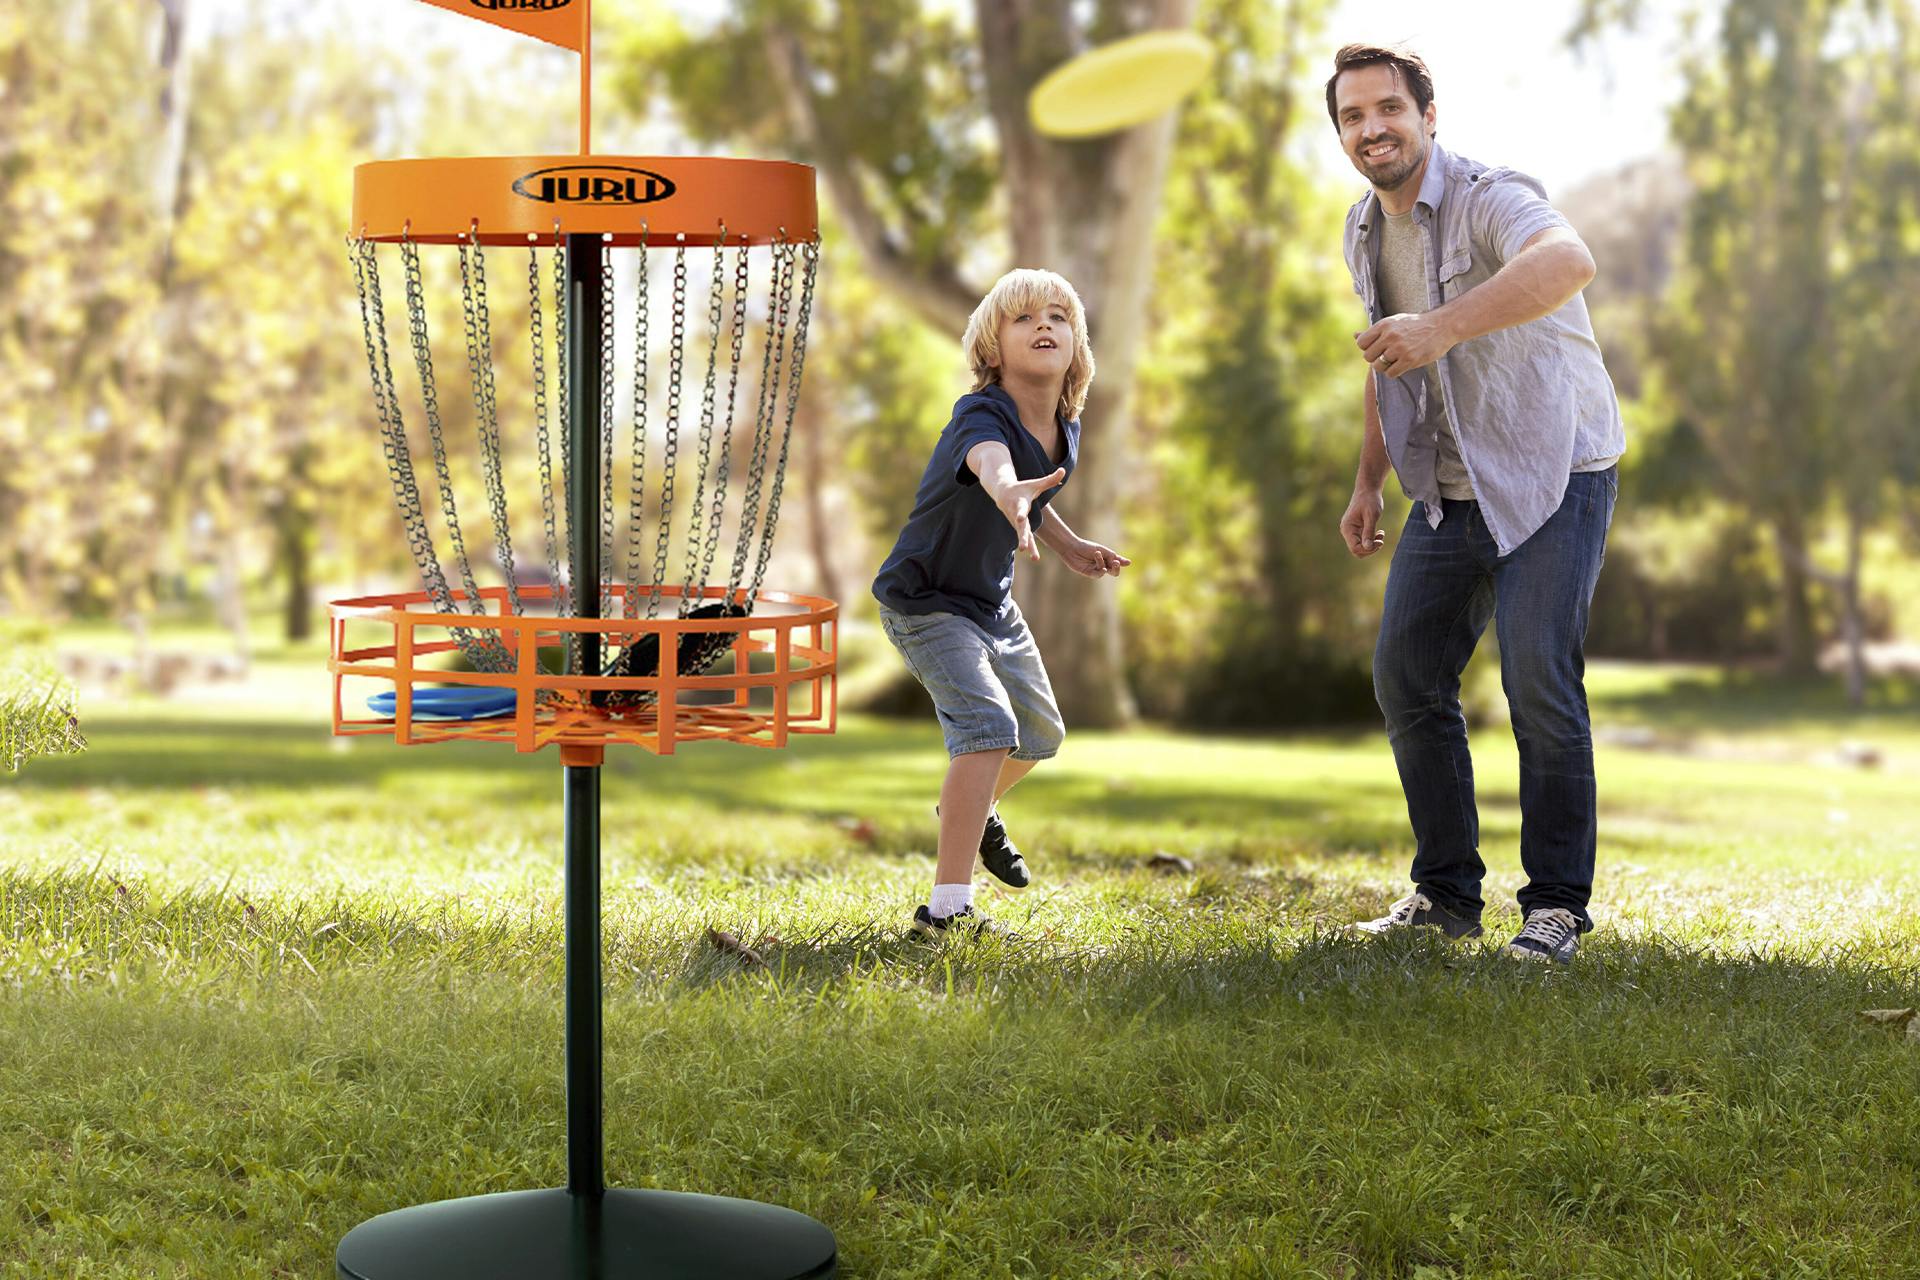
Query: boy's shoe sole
point(997, 853)
point(965, 922)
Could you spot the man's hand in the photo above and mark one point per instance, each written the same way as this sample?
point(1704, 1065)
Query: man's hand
point(1361, 525)
point(1091, 560)
point(1015, 500)
point(1400, 344)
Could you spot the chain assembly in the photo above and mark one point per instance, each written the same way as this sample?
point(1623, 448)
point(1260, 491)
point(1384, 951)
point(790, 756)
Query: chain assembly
point(637, 482)
point(781, 295)
point(606, 424)
point(486, 406)
point(716, 298)
point(692, 528)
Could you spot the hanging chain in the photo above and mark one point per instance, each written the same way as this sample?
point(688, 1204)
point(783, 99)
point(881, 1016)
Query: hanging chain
point(793, 405)
point(545, 441)
point(694, 589)
point(393, 436)
point(733, 387)
point(486, 407)
point(780, 292)
point(563, 322)
point(636, 491)
point(484, 650)
point(675, 364)
point(607, 298)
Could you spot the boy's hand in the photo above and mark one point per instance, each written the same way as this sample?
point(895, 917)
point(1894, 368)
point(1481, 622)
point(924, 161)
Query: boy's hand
point(1091, 560)
point(1015, 500)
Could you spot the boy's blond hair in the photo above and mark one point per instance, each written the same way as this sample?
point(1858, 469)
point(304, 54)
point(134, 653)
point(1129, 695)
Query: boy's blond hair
point(1021, 290)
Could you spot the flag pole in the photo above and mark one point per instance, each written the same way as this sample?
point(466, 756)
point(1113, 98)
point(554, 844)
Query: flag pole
point(586, 78)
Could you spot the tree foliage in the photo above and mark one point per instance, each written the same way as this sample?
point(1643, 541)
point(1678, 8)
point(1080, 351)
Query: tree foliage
point(1781, 341)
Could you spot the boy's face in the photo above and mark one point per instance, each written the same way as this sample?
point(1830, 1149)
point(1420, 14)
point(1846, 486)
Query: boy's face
point(1036, 345)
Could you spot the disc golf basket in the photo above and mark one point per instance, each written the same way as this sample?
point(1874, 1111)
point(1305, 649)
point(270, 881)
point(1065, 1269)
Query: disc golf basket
point(651, 625)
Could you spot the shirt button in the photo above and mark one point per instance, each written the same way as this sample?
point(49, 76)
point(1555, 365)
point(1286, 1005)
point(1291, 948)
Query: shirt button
point(1436, 437)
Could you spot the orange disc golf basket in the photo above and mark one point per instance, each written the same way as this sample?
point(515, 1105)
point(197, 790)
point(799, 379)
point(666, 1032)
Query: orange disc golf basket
point(648, 625)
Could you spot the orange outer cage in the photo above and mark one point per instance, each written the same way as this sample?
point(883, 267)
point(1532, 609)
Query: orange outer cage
point(558, 709)
point(653, 200)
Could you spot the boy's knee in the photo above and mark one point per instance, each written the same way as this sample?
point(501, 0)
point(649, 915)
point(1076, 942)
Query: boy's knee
point(1042, 738)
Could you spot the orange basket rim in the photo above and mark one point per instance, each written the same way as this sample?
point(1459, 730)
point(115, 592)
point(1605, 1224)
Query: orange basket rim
point(394, 606)
point(627, 200)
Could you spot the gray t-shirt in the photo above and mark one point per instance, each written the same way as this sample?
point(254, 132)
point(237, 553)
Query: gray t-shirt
point(1403, 291)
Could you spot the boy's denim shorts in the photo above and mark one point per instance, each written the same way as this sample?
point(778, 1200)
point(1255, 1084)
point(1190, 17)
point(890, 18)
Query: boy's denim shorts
point(989, 686)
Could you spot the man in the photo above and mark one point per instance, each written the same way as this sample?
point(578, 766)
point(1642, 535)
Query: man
point(1486, 393)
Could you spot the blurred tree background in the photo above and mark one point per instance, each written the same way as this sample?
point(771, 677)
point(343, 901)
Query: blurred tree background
point(186, 430)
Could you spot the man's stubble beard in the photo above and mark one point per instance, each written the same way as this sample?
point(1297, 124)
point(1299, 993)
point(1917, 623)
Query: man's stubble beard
point(1392, 179)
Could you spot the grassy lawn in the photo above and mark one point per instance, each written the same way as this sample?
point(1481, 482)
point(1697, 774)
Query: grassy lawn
point(257, 984)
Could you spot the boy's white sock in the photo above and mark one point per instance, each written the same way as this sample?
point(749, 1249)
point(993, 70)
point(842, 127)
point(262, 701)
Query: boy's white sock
point(949, 898)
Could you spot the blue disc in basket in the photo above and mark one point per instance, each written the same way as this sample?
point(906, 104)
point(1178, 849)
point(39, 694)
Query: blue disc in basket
point(457, 702)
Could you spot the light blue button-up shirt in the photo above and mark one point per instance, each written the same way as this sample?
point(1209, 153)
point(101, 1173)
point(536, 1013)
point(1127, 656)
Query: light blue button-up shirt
point(1530, 404)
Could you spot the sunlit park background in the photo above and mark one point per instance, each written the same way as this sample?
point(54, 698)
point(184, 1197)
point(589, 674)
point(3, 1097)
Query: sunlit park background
point(258, 984)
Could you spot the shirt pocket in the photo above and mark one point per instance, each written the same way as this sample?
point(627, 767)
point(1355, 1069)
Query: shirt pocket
point(1455, 264)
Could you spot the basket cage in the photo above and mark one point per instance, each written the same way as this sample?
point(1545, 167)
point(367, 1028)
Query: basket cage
point(664, 372)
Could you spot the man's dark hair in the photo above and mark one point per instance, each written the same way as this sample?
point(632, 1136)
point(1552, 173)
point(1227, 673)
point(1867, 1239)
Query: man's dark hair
point(1406, 64)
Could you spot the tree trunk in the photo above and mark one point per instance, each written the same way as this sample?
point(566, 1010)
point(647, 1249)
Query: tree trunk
point(1101, 199)
point(296, 559)
point(1853, 624)
point(1795, 634)
point(1086, 209)
point(813, 462)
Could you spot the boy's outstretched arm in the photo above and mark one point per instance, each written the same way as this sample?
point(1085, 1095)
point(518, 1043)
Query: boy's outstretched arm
point(1088, 559)
point(991, 461)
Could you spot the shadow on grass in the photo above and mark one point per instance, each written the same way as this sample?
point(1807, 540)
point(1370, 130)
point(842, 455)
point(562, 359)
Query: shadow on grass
point(1734, 701)
point(873, 768)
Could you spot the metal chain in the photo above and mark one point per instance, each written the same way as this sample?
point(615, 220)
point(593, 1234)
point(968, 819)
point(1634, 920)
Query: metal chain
point(393, 436)
point(733, 388)
point(676, 362)
point(694, 589)
point(484, 650)
point(563, 320)
point(605, 423)
point(545, 441)
point(780, 291)
point(636, 491)
point(793, 405)
point(486, 407)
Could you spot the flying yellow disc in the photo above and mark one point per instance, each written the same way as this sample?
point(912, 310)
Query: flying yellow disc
point(1119, 85)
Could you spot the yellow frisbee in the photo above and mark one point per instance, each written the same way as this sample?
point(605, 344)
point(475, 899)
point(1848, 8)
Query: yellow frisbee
point(1119, 85)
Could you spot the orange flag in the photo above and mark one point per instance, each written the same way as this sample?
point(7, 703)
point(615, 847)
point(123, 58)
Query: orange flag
point(561, 22)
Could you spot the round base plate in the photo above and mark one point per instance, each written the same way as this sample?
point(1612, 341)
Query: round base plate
point(622, 1235)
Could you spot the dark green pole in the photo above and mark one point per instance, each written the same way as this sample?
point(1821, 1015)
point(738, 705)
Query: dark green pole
point(586, 1174)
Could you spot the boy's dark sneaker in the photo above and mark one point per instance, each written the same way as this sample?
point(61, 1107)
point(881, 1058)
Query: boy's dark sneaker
point(999, 856)
point(1418, 911)
point(964, 921)
point(997, 853)
point(1551, 934)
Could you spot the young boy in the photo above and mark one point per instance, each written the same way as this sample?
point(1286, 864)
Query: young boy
point(946, 590)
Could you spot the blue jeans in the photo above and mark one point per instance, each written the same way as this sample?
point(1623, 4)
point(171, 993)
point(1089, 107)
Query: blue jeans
point(1444, 585)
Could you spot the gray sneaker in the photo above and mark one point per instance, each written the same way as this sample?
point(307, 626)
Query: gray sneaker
point(1550, 934)
point(1418, 911)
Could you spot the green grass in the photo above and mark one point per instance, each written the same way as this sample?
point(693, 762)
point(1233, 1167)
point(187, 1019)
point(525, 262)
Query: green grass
point(257, 984)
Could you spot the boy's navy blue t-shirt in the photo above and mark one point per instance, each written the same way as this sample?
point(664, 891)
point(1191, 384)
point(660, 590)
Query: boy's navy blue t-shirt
point(955, 553)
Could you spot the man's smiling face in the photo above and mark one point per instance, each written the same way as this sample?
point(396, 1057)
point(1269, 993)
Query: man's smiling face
point(1381, 130)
